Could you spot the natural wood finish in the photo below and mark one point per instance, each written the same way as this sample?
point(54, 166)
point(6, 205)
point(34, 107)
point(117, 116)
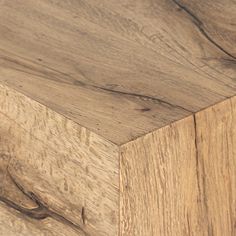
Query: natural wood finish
point(42, 221)
point(118, 117)
point(13, 224)
point(216, 142)
point(86, 59)
point(74, 171)
point(159, 181)
point(181, 179)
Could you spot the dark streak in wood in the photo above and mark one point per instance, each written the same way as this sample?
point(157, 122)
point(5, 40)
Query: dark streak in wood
point(39, 213)
point(83, 215)
point(201, 181)
point(143, 97)
point(197, 154)
point(197, 22)
point(91, 86)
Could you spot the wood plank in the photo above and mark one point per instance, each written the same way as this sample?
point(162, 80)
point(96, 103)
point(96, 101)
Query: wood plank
point(120, 68)
point(159, 188)
point(180, 180)
point(73, 171)
point(216, 142)
point(118, 117)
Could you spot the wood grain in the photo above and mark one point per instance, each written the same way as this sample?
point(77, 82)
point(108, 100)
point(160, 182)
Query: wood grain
point(13, 224)
point(74, 171)
point(180, 180)
point(159, 181)
point(118, 117)
point(86, 59)
point(216, 142)
point(16, 204)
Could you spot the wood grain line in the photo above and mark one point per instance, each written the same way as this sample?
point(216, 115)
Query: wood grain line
point(77, 82)
point(143, 97)
point(117, 117)
point(200, 25)
point(42, 211)
point(201, 181)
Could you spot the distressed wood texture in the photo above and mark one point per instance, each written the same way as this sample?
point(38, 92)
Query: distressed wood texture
point(13, 224)
point(121, 68)
point(118, 117)
point(73, 171)
point(159, 181)
point(181, 179)
point(216, 155)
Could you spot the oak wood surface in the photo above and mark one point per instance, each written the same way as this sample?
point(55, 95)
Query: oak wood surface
point(216, 143)
point(72, 170)
point(120, 68)
point(117, 117)
point(162, 188)
point(181, 179)
point(13, 224)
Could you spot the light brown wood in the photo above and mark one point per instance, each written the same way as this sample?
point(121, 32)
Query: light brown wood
point(119, 68)
point(74, 171)
point(216, 142)
point(180, 180)
point(118, 117)
point(13, 224)
point(159, 181)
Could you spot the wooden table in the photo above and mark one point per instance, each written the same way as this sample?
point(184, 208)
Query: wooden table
point(118, 117)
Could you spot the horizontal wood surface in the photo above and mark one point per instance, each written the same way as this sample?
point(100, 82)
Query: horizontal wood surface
point(120, 68)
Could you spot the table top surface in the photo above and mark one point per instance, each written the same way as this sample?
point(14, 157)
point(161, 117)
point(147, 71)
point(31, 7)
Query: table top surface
point(121, 68)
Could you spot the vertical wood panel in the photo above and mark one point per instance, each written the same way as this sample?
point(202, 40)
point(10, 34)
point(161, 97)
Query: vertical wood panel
point(216, 141)
point(72, 170)
point(159, 190)
point(181, 180)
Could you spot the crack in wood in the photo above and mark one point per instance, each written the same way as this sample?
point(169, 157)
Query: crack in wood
point(196, 150)
point(143, 97)
point(91, 86)
point(199, 24)
point(83, 215)
point(202, 191)
point(42, 211)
